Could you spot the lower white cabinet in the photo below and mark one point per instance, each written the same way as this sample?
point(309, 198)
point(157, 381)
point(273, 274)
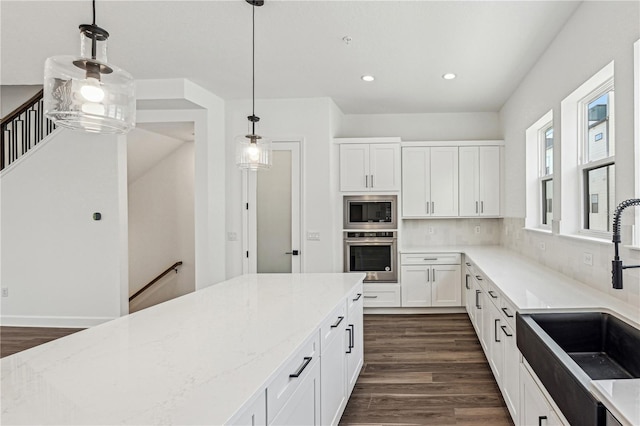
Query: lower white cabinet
point(383, 295)
point(355, 345)
point(254, 413)
point(429, 279)
point(303, 407)
point(333, 365)
point(534, 407)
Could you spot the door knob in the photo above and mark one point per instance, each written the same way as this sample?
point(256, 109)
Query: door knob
point(294, 252)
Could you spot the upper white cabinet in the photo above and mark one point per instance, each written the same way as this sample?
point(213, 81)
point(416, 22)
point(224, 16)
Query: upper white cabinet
point(479, 180)
point(369, 167)
point(429, 182)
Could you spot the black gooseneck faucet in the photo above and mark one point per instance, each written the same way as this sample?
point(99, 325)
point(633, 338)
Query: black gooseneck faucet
point(616, 263)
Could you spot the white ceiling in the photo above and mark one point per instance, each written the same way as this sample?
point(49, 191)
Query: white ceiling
point(407, 45)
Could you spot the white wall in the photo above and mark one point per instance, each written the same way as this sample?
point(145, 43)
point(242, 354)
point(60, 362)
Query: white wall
point(596, 34)
point(422, 127)
point(63, 268)
point(11, 97)
point(307, 120)
point(161, 225)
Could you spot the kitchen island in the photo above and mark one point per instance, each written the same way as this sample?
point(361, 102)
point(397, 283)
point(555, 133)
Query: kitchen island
point(197, 359)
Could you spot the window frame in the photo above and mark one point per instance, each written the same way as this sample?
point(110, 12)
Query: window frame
point(544, 177)
point(534, 171)
point(584, 165)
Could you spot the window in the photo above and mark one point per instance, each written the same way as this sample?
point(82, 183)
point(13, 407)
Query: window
point(597, 167)
point(587, 154)
point(539, 173)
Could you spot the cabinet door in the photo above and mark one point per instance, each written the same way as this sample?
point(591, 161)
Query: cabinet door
point(333, 372)
point(354, 167)
point(469, 188)
point(355, 351)
point(478, 302)
point(445, 285)
point(416, 286)
point(303, 408)
point(534, 408)
point(487, 324)
point(444, 181)
point(489, 181)
point(416, 182)
point(511, 364)
point(384, 167)
point(254, 413)
point(469, 295)
point(496, 341)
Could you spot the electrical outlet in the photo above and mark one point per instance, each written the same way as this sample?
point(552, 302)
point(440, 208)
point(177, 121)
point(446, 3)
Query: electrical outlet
point(431, 231)
point(5, 292)
point(313, 236)
point(477, 229)
point(542, 246)
point(587, 258)
point(232, 236)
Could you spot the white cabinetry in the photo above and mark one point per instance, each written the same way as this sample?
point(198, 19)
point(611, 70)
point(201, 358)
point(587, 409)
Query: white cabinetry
point(355, 344)
point(429, 182)
point(369, 167)
point(534, 408)
point(254, 413)
point(333, 365)
point(479, 180)
point(303, 408)
point(429, 279)
point(385, 295)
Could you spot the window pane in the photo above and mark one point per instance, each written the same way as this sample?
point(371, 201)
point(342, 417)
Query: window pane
point(548, 151)
point(600, 200)
point(547, 201)
point(598, 131)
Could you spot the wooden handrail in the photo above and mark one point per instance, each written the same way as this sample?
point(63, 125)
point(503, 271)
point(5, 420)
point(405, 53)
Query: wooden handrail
point(22, 108)
point(156, 279)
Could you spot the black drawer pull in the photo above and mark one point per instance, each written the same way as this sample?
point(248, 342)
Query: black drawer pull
point(466, 282)
point(337, 322)
point(495, 330)
point(477, 302)
point(357, 297)
point(540, 419)
point(307, 360)
point(492, 294)
point(507, 313)
point(504, 329)
point(479, 277)
point(371, 297)
point(467, 263)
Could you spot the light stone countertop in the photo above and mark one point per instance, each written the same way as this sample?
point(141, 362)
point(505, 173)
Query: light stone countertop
point(192, 360)
point(532, 288)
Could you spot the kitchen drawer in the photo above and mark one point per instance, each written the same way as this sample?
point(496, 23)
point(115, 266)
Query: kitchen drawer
point(508, 312)
point(493, 294)
point(355, 297)
point(283, 384)
point(381, 295)
point(430, 258)
point(334, 325)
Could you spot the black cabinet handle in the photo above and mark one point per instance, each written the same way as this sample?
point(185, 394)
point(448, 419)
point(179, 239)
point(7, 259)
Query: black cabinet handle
point(350, 337)
point(477, 302)
point(371, 297)
point(466, 282)
point(492, 294)
point(495, 330)
point(467, 263)
point(357, 297)
point(337, 323)
point(307, 360)
point(479, 277)
point(507, 313)
point(540, 419)
point(504, 329)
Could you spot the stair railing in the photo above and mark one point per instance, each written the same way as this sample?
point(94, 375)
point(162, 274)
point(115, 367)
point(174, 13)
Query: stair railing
point(173, 267)
point(22, 129)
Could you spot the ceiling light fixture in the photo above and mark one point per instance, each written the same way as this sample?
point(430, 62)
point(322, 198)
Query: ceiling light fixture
point(449, 76)
point(87, 93)
point(253, 152)
point(368, 78)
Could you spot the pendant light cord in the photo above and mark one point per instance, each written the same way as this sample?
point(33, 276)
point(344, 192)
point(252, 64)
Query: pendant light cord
point(253, 68)
point(94, 12)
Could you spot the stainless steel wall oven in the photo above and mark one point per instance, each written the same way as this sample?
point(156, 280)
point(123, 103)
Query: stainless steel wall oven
point(372, 252)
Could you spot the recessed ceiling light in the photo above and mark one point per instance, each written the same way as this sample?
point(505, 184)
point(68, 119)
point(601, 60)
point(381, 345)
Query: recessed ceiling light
point(449, 76)
point(368, 78)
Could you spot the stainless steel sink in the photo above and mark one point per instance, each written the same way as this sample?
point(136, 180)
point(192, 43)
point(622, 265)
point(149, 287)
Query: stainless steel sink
point(568, 350)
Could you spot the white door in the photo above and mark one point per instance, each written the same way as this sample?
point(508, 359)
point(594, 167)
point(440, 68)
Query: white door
point(273, 206)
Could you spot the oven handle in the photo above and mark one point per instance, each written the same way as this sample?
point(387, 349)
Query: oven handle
point(370, 240)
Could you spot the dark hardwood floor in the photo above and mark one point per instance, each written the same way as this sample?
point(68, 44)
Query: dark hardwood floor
point(424, 370)
point(16, 339)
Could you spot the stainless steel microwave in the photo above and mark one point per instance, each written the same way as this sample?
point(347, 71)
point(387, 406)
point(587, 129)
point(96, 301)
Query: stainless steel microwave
point(370, 212)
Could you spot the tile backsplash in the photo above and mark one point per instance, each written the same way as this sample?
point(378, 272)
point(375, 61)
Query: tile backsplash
point(571, 256)
point(428, 233)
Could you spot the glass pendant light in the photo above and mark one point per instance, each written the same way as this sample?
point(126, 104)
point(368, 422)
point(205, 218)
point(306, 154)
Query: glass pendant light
point(86, 92)
point(253, 152)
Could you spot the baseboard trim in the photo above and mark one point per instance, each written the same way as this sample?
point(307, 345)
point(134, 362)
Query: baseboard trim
point(61, 322)
point(407, 311)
